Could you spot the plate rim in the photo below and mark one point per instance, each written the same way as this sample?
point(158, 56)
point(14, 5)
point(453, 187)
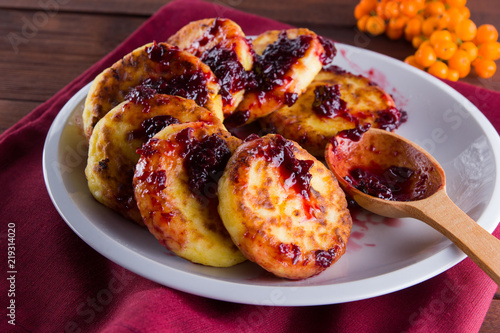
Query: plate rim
point(207, 286)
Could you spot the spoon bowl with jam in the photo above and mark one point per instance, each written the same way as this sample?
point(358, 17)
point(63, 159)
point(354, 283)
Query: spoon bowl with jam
point(393, 177)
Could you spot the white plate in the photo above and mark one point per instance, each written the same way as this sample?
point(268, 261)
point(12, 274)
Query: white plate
point(383, 255)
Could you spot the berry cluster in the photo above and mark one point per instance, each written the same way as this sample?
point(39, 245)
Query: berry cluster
point(448, 43)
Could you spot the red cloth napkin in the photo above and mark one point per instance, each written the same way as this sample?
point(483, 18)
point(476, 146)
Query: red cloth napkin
point(63, 285)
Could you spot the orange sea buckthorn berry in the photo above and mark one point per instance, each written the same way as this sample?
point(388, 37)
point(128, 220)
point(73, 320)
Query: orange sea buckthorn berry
point(444, 21)
point(375, 25)
point(397, 23)
point(439, 69)
point(486, 33)
point(369, 4)
point(361, 24)
point(408, 8)
point(426, 42)
point(471, 50)
point(439, 36)
point(394, 34)
point(445, 49)
point(456, 3)
point(413, 28)
point(429, 25)
point(434, 8)
point(460, 61)
point(454, 38)
point(417, 41)
point(464, 11)
point(484, 68)
point(454, 18)
point(410, 60)
point(466, 30)
point(420, 17)
point(452, 75)
point(380, 10)
point(425, 56)
point(360, 11)
point(489, 50)
point(420, 4)
point(391, 9)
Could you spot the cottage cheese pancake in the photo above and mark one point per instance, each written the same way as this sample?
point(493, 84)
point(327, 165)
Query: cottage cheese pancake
point(283, 208)
point(161, 67)
point(112, 148)
point(286, 63)
point(175, 186)
point(221, 44)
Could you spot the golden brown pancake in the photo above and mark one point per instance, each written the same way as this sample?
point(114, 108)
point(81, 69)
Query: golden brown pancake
point(286, 64)
point(112, 148)
point(221, 44)
point(175, 185)
point(160, 67)
point(283, 208)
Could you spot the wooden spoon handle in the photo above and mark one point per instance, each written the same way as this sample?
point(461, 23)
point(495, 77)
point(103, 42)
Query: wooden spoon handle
point(442, 214)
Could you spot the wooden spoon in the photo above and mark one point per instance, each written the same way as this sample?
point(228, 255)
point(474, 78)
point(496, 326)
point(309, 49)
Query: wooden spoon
point(377, 150)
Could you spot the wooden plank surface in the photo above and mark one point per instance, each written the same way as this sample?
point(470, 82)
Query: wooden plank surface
point(51, 55)
point(62, 38)
point(14, 111)
point(334, 12)
point(41, 65)
point(326, 12)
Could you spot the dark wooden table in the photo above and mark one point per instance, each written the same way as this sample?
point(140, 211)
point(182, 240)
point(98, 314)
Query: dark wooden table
point(45, 44)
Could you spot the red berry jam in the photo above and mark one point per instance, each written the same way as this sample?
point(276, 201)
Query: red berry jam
point(161, 53)
point(141, 95)
point(191, 83)
point(236, 119)
point(151, 126)
point(209, 34)
point(391, 118)
point(394, 183)
point(334, 69)
point(270, 68)
point(330, 51)
point(228, 69)
point(204, 162)
point(148, 148)
point(326, 258)
point(291, 98)
point(294, 172)
point(157, 178)
point(354, 134)
point(191, 86)
point(291, 251)
point(327, 102)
